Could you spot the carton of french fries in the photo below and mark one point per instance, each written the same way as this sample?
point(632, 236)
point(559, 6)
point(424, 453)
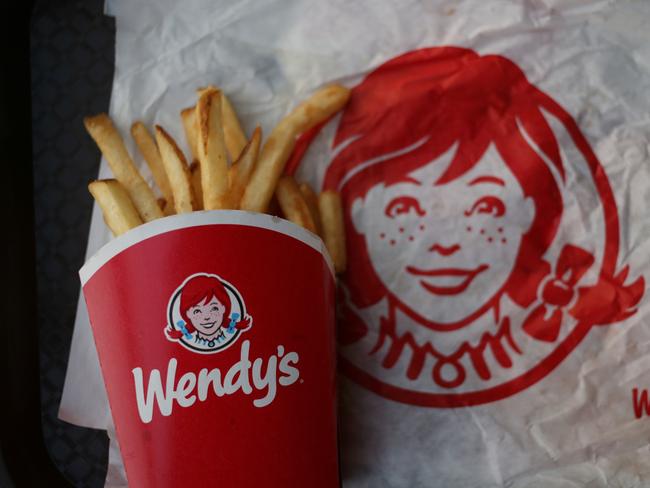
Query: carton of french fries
point(212, 308)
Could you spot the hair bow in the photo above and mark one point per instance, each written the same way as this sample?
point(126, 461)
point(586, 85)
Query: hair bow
point(545, 320)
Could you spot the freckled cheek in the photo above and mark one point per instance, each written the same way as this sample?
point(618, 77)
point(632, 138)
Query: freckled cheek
point(393, 234)
point(507, 237)
point(490, 231)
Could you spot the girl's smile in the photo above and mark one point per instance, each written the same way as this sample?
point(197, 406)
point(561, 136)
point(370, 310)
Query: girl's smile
point(448, 281)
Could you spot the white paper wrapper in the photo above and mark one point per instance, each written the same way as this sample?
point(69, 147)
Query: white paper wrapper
point(577, 426)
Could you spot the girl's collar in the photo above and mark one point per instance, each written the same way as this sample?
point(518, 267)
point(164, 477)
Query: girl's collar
point(219, 336)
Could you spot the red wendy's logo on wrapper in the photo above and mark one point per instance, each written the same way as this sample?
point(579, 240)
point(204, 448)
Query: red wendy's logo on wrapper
point(483, 234)
point(206, 314)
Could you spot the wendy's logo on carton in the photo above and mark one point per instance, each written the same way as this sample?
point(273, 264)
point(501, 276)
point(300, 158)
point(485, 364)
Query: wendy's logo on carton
point(259, 378)
point(483, 232)
point(206, 314)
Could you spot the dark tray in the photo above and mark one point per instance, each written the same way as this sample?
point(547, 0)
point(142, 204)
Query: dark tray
point(69, 46)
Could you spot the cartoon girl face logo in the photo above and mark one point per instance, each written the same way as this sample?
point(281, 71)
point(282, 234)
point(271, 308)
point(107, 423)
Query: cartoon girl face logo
point(483, 235)
point(206, 314)
point(451, 271)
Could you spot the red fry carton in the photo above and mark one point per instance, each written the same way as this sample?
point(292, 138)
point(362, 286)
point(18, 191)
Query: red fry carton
point(215, 333)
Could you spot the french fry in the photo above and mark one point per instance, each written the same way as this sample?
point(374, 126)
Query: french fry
point(292, 203)
point(311, 199)
point(241, 170)
point(233, 133)
point(188, 116)
point(147, 146)
point(101, 129)
point(177, 171)
point(195, 169)
point(320, 106)
point(253, 182)
point(119, 212)
point(331, 211)
point(212, 150)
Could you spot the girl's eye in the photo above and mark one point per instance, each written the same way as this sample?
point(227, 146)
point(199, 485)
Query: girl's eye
point(487, 205)
point(215, 309)
point(197, 311)
point(403, 205)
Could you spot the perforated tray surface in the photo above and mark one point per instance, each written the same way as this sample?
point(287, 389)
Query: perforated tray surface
point(72, 59)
